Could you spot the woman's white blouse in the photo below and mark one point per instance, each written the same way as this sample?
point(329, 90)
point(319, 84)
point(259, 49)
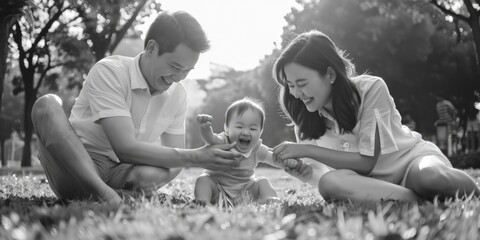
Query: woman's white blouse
point(398, 143)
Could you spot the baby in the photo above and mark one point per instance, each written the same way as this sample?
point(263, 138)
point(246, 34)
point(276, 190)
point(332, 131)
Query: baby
point(244, 121)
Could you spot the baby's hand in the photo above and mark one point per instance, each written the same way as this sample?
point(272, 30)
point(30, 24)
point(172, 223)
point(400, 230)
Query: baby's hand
point(204, 120)
point(303, 171)
point(291, 164)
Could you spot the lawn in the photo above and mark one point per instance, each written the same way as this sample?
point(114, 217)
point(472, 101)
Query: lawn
point(29, 210)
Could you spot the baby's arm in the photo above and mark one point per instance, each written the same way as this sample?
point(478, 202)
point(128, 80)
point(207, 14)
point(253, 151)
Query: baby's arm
point(206, 131)
point(270, 161)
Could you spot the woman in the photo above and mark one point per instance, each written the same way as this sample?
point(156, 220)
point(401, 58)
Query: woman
point(350, 124)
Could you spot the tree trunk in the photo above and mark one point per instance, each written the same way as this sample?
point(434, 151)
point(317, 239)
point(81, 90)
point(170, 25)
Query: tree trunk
point(475, 25)
point(4, 27)
point(4, 159)
point(27, 151)
point(30, 97)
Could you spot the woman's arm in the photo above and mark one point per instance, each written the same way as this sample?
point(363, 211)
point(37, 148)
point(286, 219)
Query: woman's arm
point(336, 159)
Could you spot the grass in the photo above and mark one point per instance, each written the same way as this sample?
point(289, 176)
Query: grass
point(30, 210)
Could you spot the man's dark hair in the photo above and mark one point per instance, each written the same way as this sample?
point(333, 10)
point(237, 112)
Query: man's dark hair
point(170, 29)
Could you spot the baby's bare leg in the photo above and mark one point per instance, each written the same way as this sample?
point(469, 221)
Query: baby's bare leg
point(262, 191)
point(205, 190)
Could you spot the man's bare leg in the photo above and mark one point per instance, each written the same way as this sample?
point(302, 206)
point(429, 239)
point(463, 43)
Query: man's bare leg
point(146, 180)
point(70, 170)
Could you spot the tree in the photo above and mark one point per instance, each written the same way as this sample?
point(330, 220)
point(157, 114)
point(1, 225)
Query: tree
point(405, 42)
point(467, 11)
point(105, 23)
point(60, 33)
point(39, 51)
point(10, 11)
point(6, 129)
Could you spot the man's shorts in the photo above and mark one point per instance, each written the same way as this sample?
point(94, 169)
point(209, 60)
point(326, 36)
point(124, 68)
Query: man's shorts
point(114, 174)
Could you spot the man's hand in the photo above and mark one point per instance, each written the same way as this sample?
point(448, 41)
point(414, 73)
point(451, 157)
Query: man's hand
point(216, 157)
point(204, 120)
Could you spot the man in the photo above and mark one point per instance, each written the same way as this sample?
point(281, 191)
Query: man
point(128, 121)
point(446, 124)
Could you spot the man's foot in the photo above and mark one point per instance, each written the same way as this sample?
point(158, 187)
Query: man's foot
point(110, 196)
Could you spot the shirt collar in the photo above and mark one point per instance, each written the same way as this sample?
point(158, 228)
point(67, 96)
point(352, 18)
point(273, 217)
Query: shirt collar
point(234, 150)
point(136, 76)
point(324, 113)
point(246, 155)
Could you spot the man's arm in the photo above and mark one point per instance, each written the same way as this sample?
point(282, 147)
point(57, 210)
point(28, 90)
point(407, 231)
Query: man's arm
point(121, 135)
point(173, 140)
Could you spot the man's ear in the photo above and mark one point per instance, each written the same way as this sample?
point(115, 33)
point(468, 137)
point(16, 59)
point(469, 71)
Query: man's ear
point(151, 46)
point(331, 75)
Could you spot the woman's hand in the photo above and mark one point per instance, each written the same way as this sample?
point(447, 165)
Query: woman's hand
point(287, 150)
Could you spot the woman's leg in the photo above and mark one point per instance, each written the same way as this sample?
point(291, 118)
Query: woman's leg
point(430, 176)
point(346, 184)
point(69, 169)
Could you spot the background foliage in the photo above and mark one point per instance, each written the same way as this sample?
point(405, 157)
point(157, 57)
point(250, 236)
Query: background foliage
point(419, 47)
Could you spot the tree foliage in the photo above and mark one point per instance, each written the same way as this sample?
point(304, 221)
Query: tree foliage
point(105, 23)
point(466, 11)
point(405, 42)
point(66, 38)
point(10, 12)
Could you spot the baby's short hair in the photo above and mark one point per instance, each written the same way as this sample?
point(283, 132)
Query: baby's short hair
point(241, 105)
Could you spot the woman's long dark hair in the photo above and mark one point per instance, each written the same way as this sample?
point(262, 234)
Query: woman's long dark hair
point(317, 51)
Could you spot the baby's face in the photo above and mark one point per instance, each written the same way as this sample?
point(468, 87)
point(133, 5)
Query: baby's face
point(245, 130)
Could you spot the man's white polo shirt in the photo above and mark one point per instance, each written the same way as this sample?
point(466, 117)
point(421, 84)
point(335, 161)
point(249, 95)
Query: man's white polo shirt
point(115, 87)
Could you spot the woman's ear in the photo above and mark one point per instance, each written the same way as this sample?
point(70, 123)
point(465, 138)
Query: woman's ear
point(331, 75)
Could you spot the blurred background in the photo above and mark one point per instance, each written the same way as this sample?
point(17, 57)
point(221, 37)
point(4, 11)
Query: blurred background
point(421, 48)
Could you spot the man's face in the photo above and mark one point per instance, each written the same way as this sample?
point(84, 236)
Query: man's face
point(161, 71)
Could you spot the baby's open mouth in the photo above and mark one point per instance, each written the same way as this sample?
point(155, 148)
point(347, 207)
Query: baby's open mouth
point(244, 142)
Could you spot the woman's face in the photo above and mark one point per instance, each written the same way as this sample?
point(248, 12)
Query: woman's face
point(309, 86)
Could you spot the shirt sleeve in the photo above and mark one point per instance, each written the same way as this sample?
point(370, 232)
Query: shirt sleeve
point(378, 110)
point(262, 153)
point(106, 94)
point(178, 124)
